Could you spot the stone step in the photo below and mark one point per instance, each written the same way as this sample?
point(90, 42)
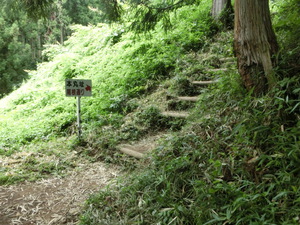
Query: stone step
point(132, 152)
point(180, 103)
point(204, 83)
point(188, 98)
point(176, 114)
point(141, 149)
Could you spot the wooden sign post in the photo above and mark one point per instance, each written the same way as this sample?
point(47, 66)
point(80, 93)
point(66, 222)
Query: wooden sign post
point(78, 88)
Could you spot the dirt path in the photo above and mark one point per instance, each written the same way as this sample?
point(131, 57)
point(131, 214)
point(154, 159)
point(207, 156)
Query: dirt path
point(53, 201)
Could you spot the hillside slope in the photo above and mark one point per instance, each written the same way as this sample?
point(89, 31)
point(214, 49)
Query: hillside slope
point(234, 160)
point(122, 66)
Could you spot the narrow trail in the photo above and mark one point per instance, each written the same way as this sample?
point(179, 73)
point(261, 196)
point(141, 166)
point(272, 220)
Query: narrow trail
point(53, 201)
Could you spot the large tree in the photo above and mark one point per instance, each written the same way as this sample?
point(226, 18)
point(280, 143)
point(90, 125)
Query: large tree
point(218, 6)
point(15, 51)
point(255, 44)
point(222, 11)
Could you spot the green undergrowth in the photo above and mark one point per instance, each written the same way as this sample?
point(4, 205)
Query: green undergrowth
point(123, 67)
point(235, 162)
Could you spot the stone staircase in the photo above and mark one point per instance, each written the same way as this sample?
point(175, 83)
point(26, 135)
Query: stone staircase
point(140, 150)
point(186, 99)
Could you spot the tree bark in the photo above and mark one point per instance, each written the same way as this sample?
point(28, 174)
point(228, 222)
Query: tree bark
point(255, 44)
point(219, 6)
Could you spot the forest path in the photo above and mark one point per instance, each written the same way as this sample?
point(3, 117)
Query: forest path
point(55, 200)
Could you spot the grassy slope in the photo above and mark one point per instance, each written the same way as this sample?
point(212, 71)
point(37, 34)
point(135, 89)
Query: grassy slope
point(122, 67)
point(236, 161)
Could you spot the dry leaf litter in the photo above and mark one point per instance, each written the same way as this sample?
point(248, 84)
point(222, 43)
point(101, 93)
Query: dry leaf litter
point(53, 201)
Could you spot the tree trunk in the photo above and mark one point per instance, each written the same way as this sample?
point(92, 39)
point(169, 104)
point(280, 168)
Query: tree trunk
point(219, 6)
point(39, 44)
point(255, 44)
point(62, 34)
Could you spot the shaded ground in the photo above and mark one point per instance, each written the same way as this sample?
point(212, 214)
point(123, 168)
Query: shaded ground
point(55, 200)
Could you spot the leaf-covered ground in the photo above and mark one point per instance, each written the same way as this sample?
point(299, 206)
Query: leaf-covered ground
point(56, 200)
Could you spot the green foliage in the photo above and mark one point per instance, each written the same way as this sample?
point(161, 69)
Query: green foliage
point(148, 13)
point(22, 39)
point(123, 68)
point(38, 110)
point(287, 27)
point(150, 118)
point(142, 16)
point(235, 163)
point(110, 10)
point(35, 8)
point(15, 56)
point(82, 11)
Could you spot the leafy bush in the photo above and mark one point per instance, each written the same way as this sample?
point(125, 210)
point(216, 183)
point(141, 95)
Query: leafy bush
point(287, 27)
